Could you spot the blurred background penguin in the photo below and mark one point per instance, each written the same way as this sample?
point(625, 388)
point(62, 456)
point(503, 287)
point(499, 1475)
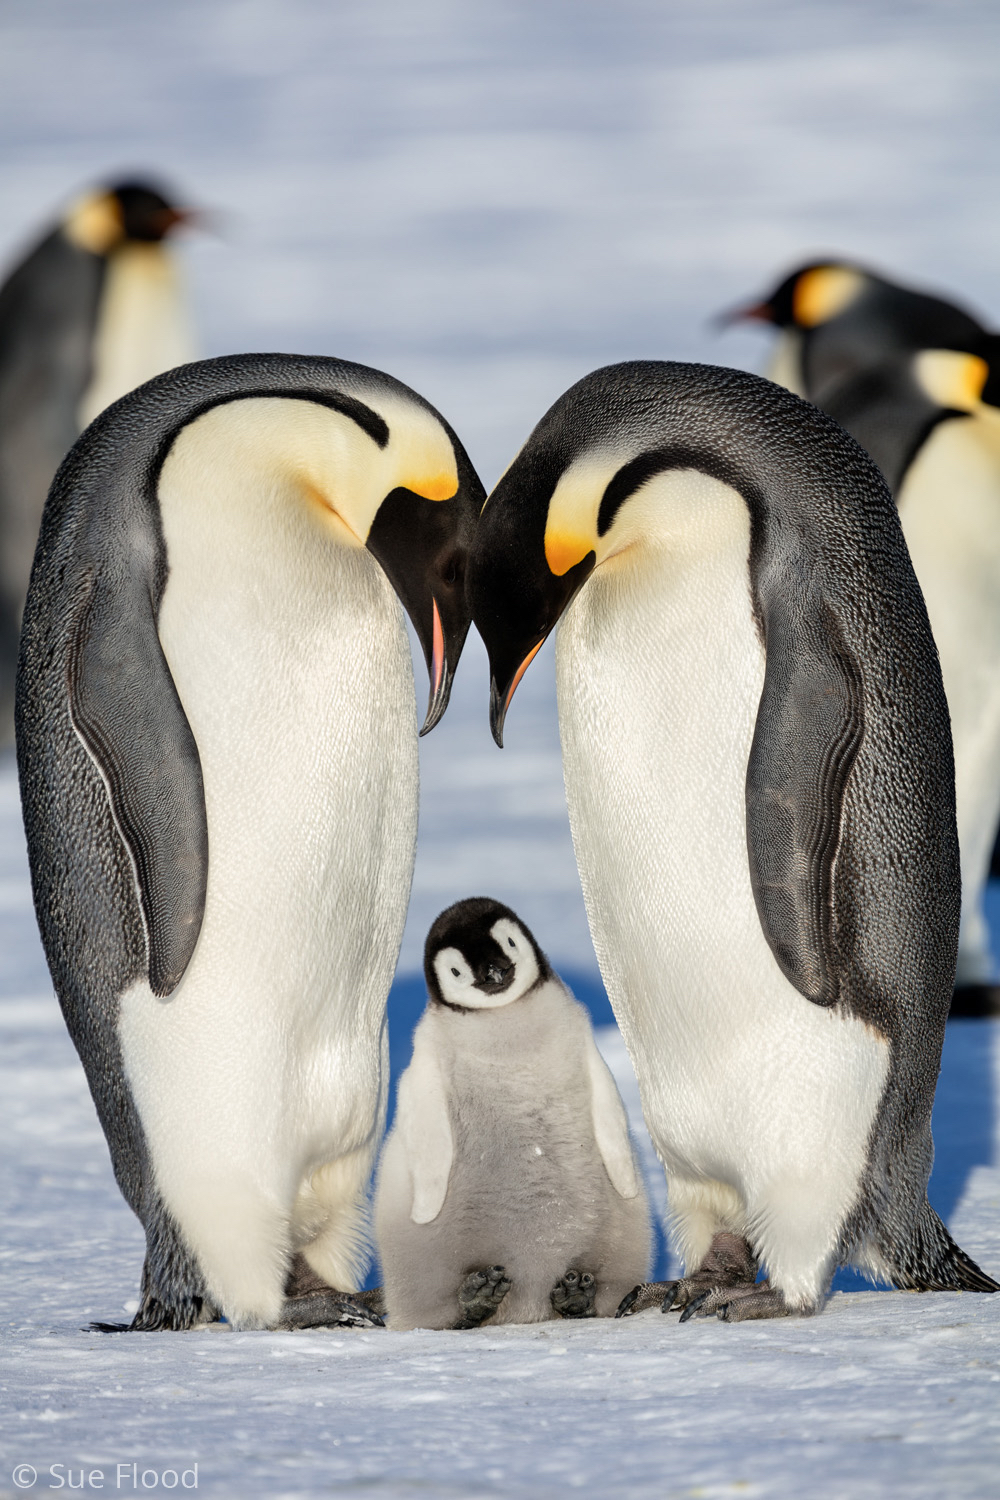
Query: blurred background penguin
point(93, 310)
point(916, 380)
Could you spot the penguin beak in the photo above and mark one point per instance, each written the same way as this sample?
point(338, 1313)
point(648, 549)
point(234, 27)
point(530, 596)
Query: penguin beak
point(423, 547)
point(441, 674)
point(516, 603)
point(759, 312)
point(500, 698)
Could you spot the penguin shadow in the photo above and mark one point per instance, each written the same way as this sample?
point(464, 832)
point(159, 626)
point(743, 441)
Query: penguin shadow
point(964, 1106)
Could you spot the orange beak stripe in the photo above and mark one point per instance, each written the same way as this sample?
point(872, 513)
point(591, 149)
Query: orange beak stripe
point(521, 671)
point(437, 650)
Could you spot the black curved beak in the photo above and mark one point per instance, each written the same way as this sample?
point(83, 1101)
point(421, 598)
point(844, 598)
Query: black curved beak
point(500, 697)
point(423, 548)
point(516, 600)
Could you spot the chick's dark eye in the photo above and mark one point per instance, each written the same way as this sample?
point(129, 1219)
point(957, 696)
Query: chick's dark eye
point(455, 972)
point(510, 942)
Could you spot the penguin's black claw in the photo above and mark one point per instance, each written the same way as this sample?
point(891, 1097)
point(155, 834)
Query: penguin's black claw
point(694, 1306)
point(625, 1306)
point(480, 1294)
point(574, 1294)
point(647, 1294)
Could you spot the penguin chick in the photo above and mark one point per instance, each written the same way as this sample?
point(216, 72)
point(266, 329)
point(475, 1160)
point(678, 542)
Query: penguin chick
point(508, 1189)
point(93, 310)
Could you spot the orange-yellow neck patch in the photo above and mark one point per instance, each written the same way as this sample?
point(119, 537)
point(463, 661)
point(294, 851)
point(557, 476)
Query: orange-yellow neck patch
point(821, 294)
point(952, 379)
point(564, 549)
point(436, 487)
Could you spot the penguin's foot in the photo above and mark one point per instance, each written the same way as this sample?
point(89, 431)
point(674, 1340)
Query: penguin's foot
point(730, 1262)
point(739, 1304)
point(480, 1294)
point(574, 1294)
point(308, 1297)
point(330, 1309)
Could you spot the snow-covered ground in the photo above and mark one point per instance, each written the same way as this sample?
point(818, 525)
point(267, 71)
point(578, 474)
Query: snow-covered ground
point(489, 198)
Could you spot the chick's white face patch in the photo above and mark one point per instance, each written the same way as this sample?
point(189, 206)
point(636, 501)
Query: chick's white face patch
point(512, 942)
point(457, 980)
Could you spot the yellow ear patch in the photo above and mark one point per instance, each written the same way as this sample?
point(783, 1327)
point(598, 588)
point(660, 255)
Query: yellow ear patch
point(438, 487)
point(952, 379)
point(95, 223)
point(821, 294)
point(563, 550)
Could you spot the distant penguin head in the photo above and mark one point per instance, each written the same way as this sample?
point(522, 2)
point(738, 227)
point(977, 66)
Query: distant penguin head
point(133, 211)
point(809, 297)
point(852, 319)
point(479, 956)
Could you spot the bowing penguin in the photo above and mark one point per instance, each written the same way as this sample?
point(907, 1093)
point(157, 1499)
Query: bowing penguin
point(759, 776)
point(93, 310)
point(508, 1190)
point(217, 748)
point(863, 349)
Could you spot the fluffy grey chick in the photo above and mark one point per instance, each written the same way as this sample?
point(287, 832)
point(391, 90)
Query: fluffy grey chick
point(508, 1189)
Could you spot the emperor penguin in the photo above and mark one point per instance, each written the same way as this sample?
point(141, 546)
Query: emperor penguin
point(93, 310)
point(508, 1190)
point(759, 777)
point(217, 747)
point(864, 350)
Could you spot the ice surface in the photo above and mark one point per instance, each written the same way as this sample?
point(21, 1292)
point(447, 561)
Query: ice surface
point(488, 200)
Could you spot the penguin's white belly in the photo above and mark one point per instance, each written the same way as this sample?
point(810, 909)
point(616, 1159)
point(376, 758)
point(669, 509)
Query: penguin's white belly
point(660, 671)
point(142, 326)
point(291, 660)
point(785, 367)
point(950, 512)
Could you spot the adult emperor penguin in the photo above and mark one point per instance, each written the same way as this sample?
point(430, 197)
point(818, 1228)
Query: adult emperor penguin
point(863, 348)
point(836, 319)
point(759, 775)
point(218, 756)
point(508, 1189)
point(92, 311)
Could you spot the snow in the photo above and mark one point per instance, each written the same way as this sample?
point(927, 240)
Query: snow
point(489, 198)
point(883, 1394)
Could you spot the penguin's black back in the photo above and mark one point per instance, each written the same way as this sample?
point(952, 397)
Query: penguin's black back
point(48, 313)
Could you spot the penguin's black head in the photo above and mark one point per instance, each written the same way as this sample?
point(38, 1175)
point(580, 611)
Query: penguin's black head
point(808, 297)
point(146, 214)
point(422, 545)
point(479, 956)
point(559, 512)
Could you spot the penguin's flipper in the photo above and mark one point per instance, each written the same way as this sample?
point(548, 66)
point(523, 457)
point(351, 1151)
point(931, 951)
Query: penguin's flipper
point(810, 724)
point(610, 1125)
point(425, 1127)
point(126, 710)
